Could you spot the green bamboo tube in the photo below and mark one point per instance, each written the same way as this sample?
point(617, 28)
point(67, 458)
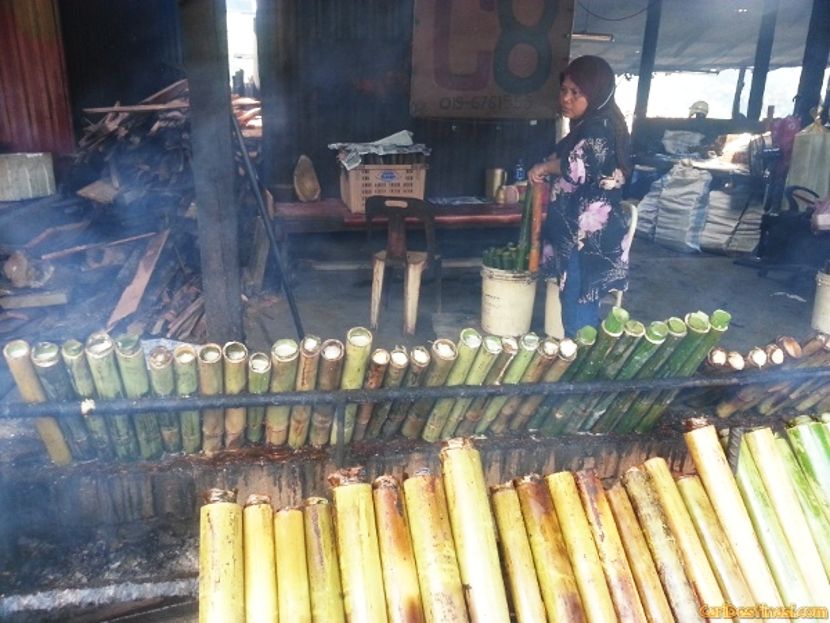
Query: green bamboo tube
point(163, 384)
point(321, 556)
point(518, 558)
point(565, 356)
point(662, 545)
point(332, 354)
point(284, 356)
point(509, 349)
point(293, 591)
point(485, 359)
point(712, 467)
point(473, 530)
point(221, 562)
point(649, 588)
point(400, 575)
point(419, 361)
point(358, 550)
point(133, 367)
point(309, 359)
point(260, 567)
point(17, 358)
point(609, 546)
point(57, 386)
point(395, 373)
point(235, 371)
point(259, 380)
point(211, 383)
point(550, 555)
point(72, 352)
point(100, 355)
point(439, 579)
point(811, 447)
point(358, 350)
point(444, 355)
point(376, 372)
point(468, 345)
point(187, 384)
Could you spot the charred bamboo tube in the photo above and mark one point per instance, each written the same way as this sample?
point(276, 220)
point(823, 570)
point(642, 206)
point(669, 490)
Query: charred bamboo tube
point(812, 351)
point(321, 556)
point(609, 546)
point(468, 345)
point(509, 349)
point(550, 555)
point(235, 369)
point(163, 384)
point(221, 566)
point(357, 547)
point(211, 382)
point(662, 545)
point(518, 558)
point(565, 356)
point(486, 357)
point(813, 400)
point(300, 421)
point(651, 592)
point(713, 468)
point(259, 379)
point(17, 358)
point(378, 364)
point(284, 356)
point(400, 575)
point(292, 572)
point(187, 384)
point(419, 361)
point(444, 355)
point(328, 378)
point(131, 362)
point(395, 373)
point(429, 526)
point(72, 352)
point(260, 567)
point(810, 444)
point(358, 350)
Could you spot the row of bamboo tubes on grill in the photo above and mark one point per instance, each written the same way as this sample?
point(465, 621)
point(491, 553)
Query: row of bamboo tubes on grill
point(437, 548)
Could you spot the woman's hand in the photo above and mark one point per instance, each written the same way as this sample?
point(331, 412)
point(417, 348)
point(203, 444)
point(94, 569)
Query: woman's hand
point(538, 173)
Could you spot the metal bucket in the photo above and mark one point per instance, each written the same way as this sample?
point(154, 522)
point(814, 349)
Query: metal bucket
point(821, 304)
point(506, 301)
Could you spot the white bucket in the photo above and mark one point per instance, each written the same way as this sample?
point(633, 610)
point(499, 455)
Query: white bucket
point(553, 310)
point(821, 305)
point(506, 301)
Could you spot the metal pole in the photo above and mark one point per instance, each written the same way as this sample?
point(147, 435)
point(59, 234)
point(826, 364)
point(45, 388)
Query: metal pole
point(763, 52)
point(647, 57)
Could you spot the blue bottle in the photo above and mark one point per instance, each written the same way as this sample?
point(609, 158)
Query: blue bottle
point(519, 173)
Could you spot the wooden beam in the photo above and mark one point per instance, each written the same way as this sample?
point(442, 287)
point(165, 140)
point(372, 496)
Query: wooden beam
point(34, 299)
point(816, 51)
point(205, 42)
point(648, 54)
point(131, 296)
point(763, 52)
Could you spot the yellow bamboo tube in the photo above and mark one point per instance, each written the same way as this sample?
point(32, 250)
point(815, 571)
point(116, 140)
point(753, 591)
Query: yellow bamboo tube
point(518, 558)
point(473, 531)
point(429, 526)
point(610, 548)
point(293, 598)
point(400, 575)
point(209, 364)
point(550, 555)
point(639, 557)
point(260, 564)
point(235, 357)
point(321, 558)
point(581, 548)
point(221, 567)
point(357, 547)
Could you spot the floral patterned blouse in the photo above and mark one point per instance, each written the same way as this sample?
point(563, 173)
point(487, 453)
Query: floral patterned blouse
point(584, 214)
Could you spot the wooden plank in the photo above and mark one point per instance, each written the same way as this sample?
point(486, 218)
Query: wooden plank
point(99, 191)
point(131, 297)
point(57, 230)
point(174, 105)
point(94, 245)
point(34, 299)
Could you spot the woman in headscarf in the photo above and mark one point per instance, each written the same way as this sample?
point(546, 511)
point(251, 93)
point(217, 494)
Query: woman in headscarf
point(586, 246)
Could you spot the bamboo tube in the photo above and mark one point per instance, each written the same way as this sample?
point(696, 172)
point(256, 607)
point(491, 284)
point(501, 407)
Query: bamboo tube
point(444, 355)
point(509, 349)
point(811, 447)
point(468, 345)
point(662, 545)
point(419, 360)
point(811, 352)
point(518, 558)
point(163, 384)
point(609, 546)
point(485, 359)
point(259, 380)
point(221, 566)
point(400, 576)
point(187, 384)
point(321, 556)
point(57, 387)
point(328, 379)
point(358, 549)
point(539, 194)
point(566, 354)
point(235, 370)
point(713, 468)
point(378, 364)
point(136, 381)
point(292, 572)
point(260, 568)
point(284, 356)
point(72, 352)
point(211, 382)
point(429, 526)
point(309, 360)
point(395, 373)
point(523, 248)
point(550, 555)
point(651, 592)
point(17, 358)
point(358, 350)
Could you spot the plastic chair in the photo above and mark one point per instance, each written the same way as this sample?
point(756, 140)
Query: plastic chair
point(414, 263)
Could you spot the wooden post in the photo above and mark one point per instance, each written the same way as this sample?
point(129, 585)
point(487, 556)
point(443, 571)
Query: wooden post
point(760, 67)
point(739, 89)
point(647, 57)
point(816, 51)
point(205, 39)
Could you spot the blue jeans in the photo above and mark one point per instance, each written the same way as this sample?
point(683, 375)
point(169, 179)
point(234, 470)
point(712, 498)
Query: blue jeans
point(576, 315)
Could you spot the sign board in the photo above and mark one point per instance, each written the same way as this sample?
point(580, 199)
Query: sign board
point(489, 58)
